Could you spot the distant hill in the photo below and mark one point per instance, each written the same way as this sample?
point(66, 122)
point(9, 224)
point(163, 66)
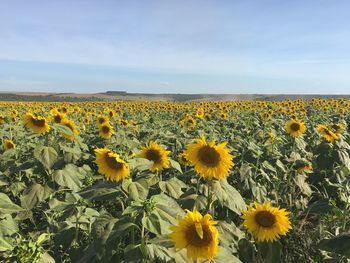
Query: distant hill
point(123, 95)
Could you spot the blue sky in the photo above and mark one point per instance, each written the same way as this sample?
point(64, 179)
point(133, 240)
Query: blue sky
point(182, 46)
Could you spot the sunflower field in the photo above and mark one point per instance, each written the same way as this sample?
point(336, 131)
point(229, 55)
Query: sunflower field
point(142, 181)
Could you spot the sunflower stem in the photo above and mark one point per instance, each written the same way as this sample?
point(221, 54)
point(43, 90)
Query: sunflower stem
point(209, 196)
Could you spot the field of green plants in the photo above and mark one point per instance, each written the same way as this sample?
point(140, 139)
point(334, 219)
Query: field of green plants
point(138, 181)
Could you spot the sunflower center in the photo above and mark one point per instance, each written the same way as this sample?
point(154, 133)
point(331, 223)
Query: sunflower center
point(112, 162)
point(101, 120)
point(105, 129)
point(153, 155)
point(57, 119)
point(326, 131)
point(209, 156)
point(38, 122)
point(265, 219)
point(194, 239)
point(295, 126)
point(9, 145)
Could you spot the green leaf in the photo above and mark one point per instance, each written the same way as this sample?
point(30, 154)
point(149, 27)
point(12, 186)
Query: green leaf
point(228, 196)
point(339, 245)
point(152, 223)
point(33, 195)
point(46, 258)
point(300, 181)
point(271, 251)
point(5, 244)
point(62, 129)
point(229, 234)
point(133, 253)
point(175, 165)
point(8, 226)
point(225, 256)
point(156, 252)
point(101, 191)
point(71, 176)
point(167, 208)
point(140, 164)
point(7, 206)
point(172, 187)
point(321, 206)
point(246, 250)
point(136, 190)
point(102, 227)
point(46, 155)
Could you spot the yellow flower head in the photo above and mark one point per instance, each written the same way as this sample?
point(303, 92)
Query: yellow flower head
point(182, 159)
point(157, 154)
point(295, 128)
point(197, 234)
point(9, 144)
point(72, 126)
point(106, 131)
point(111, 165)
point(210, 160)
point(36, 124)
point(266, 223)
point(102, 120)
point(327, 133)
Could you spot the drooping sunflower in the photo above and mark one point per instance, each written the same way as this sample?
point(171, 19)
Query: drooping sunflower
point(197, 234)
point(111, 165)
point(157, 154)
point(106, 131)
point(266, 223)
point(36, 124)
point(72, 126)
point(338, 128)
point(9, 144)
point(210, 160)
point(327, 133)
point(295, 128)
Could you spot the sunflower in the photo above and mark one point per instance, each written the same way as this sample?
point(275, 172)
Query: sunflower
point(123, 122)
point(183, 159)
point(266, 116)
point(102, 119)
point(189, 122)
point(197, 234)
point(295, 128)
point(210, 160)
point(9, 144)
point(338, 128)
point(302, 166)
point(36, 124)
point(72, 126)
point(326, 133)
point(270, 137)
point(157, 154)
point(200, 113)
point(56, 116)
point(266, 223)
point(106, 131)
point(223, 115)
point(111, 165)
